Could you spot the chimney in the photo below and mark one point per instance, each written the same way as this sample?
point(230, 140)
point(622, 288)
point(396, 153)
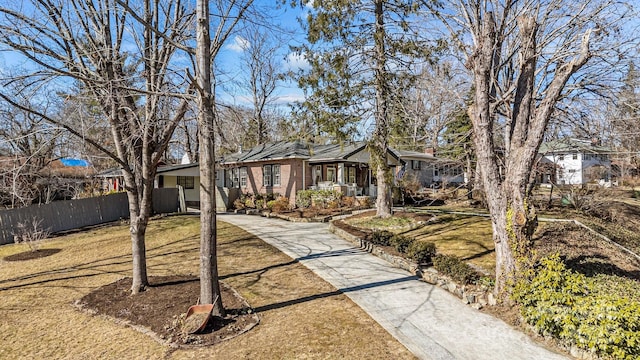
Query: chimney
point(431, 151)
point(240, 149)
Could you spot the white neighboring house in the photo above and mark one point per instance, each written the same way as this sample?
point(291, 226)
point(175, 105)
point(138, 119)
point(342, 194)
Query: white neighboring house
point(576, 162)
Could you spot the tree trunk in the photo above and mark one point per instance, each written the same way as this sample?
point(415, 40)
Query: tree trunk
point(209, 286)
point(381, 133)
point(138, 222)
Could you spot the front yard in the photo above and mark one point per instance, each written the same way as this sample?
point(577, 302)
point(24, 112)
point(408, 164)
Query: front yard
point(301, 316)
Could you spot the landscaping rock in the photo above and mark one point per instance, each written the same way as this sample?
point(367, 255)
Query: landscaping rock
point(492, 299)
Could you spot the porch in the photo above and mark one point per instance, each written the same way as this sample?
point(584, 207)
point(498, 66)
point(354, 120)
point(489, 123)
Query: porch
point(348, 178)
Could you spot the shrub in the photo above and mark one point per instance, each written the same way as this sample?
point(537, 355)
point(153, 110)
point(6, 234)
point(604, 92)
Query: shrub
point(401, 243)
point(455, 268)
point(364, 202)
point(259, 203)
point(559, 302)
point(281, 204)
point(349, 201)
point(30, 233)
point(322, 198)
point(303, 198)
point(421, 251)
point(239, 204)
point(380, 237)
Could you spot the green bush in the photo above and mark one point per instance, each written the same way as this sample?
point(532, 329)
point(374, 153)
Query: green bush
point(421, 251)
point(455, 268)
point(380, 237)
point(401, 243)
point(569, 306)
point(303, 198)
point(319, 198)
point(323, 198)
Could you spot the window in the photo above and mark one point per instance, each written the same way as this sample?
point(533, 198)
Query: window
point(331, 174)
point(561, 157)
point(575, 157)
point(271, 175)
point(235, 177)
point(415, 164)
point(185, 181)
point(572, 171)
point(276, 175)
point(266, 174)
point(351, 175)
point(243, 177)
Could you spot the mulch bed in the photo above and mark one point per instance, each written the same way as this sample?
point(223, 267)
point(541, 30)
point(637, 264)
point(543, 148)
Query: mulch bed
point(30, 255)
point(160, 310)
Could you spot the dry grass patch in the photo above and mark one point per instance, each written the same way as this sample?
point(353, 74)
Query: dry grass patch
point(301, 315)
point(470, 238)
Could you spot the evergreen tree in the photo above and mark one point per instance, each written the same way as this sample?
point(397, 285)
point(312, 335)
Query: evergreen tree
point(356, 51)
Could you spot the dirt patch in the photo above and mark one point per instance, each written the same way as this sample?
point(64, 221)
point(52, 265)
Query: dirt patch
point(30, 255)
point(161, 309)
point(584, 252)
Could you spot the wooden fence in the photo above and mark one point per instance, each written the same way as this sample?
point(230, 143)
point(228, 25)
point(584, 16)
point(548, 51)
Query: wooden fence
point(74, 214)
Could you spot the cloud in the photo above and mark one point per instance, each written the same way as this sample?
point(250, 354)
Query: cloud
point(296, 62)
point(290, 98)
point(239, 44)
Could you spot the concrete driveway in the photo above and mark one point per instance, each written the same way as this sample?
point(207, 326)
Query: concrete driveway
point(429, 321)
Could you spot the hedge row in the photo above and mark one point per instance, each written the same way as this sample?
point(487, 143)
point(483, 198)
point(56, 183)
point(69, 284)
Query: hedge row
point(564, 304)
point(421, 252)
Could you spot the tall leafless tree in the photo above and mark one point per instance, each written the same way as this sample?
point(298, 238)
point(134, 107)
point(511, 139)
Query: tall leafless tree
point(525, 58)
point(123, 54)
point(207, 49)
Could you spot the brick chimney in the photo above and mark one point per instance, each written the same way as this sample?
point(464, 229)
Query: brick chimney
point(431, 151)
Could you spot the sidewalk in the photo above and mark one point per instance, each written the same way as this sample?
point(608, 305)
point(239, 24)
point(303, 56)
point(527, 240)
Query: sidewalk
point(429, 321)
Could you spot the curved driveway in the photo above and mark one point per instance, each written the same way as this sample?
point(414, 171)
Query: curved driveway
point(429, 321)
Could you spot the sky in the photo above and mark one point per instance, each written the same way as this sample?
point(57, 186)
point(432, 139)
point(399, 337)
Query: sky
point(228, 59)
point(287, 91)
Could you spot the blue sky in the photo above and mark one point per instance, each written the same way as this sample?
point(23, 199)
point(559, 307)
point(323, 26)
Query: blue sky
point(287, 91)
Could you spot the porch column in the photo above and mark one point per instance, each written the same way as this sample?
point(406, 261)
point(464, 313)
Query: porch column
point(340, 175)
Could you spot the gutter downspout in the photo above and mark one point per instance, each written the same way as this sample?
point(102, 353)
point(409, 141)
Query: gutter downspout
point(304, 177)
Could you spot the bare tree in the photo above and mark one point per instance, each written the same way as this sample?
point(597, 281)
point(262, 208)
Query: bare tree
point(429, 104)
point(206, 49)
point(30, 143)
point(526, 57)
point(262, 66)
point(73, 40)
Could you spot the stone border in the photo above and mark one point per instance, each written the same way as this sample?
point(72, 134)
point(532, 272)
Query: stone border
point(472, 295)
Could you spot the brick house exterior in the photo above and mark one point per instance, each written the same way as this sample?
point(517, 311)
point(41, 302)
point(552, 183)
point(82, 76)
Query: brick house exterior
point(284, 168)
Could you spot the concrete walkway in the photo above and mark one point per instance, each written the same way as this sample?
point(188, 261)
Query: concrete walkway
point(429, 321)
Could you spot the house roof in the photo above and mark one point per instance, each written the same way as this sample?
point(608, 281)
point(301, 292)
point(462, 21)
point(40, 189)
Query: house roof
point(313, 152)
point(269, 151)
point(336, 151)
point(113, 172)
point(569, 145)
point(167, 168)
point(413, 155)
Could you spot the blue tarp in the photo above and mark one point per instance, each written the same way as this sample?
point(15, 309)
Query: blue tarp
point(74, 162)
